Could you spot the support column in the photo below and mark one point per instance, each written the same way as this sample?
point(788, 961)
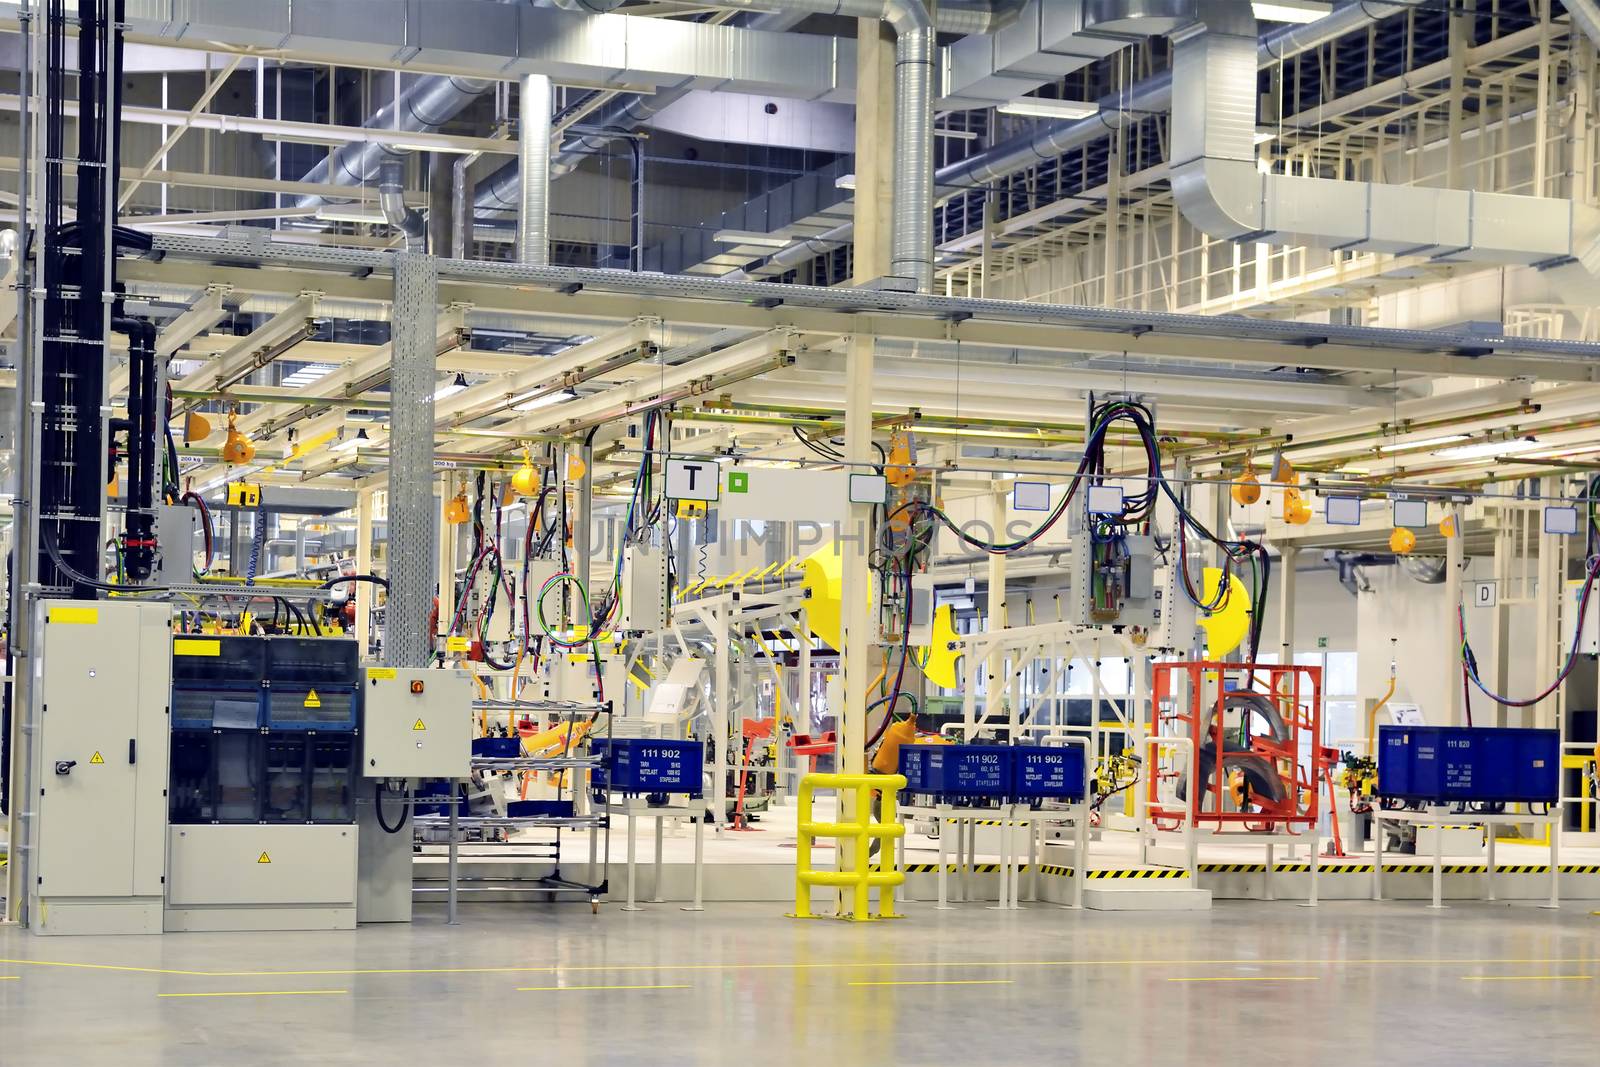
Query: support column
point(1454, 561)
point(447, 557)
point(1289, 554)
point(856, 579)
point(1460, 47)
point(407, 640)
point(995, 605)
point(1547, 603)
point(874, 149)
point(363, 590)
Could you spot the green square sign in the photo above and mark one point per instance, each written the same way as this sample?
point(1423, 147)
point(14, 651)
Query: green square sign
point(738, 482)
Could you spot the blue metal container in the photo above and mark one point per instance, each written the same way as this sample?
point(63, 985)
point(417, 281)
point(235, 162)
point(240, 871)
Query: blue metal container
point(1047, 773)
point(967, 770)
point(913, 764)
point(1456, 764)
point(645, 765)
point(497, 747)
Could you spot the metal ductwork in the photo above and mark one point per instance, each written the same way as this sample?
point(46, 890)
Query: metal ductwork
point(502, 189)
point(424, 107)
point(535, 101)
point(916, 41)
point(392, 200)
point(1144, 17)
point(1051, 141)
point(1046, 41)
point(1220, 189)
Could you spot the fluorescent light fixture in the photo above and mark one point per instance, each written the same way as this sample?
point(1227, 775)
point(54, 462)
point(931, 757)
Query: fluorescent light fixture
point(1481, 449)
point(457, 386)
point(751, 237)
point(1426, 442)
point(845, 181)
point(1040, 108)
point(1291, 10)
point(350, 444)
point(304, 376)
point(350, 213)
point(536, 402)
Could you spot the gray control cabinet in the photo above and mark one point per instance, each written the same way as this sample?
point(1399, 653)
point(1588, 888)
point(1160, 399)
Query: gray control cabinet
point(417, 723)
point(101, 765)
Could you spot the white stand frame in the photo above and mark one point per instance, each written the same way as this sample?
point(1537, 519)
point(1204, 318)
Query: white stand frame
point(1440, 816)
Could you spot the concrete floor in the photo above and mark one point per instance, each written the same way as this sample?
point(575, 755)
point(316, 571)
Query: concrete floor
point(740, 984)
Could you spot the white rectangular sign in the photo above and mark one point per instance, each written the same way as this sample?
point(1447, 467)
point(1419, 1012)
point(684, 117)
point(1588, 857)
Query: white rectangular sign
point(693, 479)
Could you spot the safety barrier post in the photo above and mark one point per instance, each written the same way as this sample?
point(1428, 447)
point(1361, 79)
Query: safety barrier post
point(862, 877)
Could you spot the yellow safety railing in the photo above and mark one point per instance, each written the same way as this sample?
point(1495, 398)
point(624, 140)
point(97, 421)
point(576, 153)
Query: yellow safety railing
point(862, 876)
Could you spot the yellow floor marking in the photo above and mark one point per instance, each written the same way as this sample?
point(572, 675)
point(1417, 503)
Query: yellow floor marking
point(575, 988)
point(954, 981)
point(850, 965)
point(1527, 978)
point(265, 993)
point(9, 978)
point(1252, 978)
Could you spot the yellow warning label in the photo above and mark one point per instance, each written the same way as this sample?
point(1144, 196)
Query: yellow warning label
point(263, 858)
point(312, 700)
point(77, 616)
point(97, 758)
point(458, 644)
point(419, 725)
point(386, 673)
point(189, 646)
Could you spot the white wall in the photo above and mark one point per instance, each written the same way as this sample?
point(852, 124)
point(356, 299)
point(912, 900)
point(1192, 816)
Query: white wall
point(1411, 622)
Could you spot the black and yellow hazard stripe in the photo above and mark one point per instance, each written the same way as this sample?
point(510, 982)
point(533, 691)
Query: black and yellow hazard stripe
point(1160, 873)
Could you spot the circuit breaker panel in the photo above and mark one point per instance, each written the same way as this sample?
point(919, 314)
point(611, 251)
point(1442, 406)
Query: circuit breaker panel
point(101, 762)
point(418, 723)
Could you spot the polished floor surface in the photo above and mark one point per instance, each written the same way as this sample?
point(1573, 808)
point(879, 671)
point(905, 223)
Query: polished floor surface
point(1347, 983)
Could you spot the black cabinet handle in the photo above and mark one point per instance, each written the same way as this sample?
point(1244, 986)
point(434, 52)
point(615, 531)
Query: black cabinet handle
point(131, 750)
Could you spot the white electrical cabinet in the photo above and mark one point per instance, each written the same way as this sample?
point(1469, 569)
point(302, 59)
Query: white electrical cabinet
point(104, 675)
point(262, 877)
point(417, 723)
point(645, 607)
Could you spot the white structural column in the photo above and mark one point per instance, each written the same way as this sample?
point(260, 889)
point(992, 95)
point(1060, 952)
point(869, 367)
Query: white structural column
point(1289, 556)
point(1454, 562)
point(996, 687)
point(1547, 602)
point(363, 590)
point(447, 556)
point(856, 578)
point(874, 155)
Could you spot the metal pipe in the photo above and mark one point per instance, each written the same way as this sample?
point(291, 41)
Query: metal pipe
point(423, 108)
point(392, 199)
point(534, 105)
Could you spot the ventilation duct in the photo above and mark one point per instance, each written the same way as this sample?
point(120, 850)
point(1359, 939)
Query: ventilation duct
point(623, 114)
point(1051, 141)
point(535, 101)
point(911, 238)
point(1143, 17)
point(1220, 189)
point(392, 200)
point(1046, 41)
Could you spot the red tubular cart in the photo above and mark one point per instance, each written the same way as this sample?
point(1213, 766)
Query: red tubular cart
point(1257, 756)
